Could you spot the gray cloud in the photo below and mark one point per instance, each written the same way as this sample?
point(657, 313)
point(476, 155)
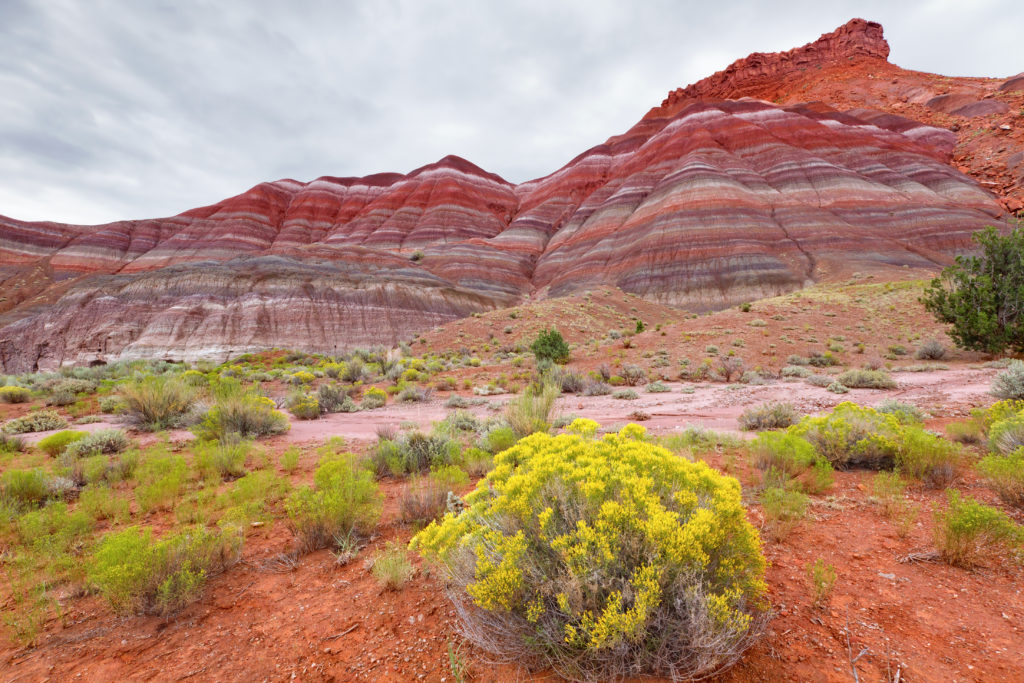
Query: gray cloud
point(129, 109)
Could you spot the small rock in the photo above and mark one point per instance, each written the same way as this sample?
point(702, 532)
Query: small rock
point(891, 577)
point(1005, 126)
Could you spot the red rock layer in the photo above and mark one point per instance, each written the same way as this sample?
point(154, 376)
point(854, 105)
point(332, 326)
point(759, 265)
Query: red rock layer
point(738, 200)
point(848, 70)
point(704, 203)
point(857, 39)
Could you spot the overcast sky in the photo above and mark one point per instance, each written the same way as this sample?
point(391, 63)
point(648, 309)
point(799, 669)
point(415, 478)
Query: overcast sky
point(138, 108)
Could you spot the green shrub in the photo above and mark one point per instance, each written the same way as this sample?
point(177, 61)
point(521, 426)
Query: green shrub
point(821, 360)
point(966, 431)
point(930, 350)
point(1005, 474)
point(597, 389)
point(11, 444)
point(161, 477)
point(927, 457)
point(967, 533)
point(837, 388)
point(12, 394)
point(1009, 384)
point(55, 444)
point(549, 345)
point(195, 378)
point(531, 411)
point(570, 381)
point(332, 398)
point(304, 407)
point(222, 459)
point(242, 412)
point(23, 489)
point(866, 379)
point(102, 441)
point(785, 457)
point(413, 452)
point(392, 567)
point(135, 573)
point(157, 402)
point(783, 510)
point(979, 295)
point(768, 416)
point(499, 439)
point(658, 387)
point(795, 371)
point(821, 577)
point(100, 502)
point(373, 398)
point(853, 436)
point(633, 375)
point(625, 395)
point(906, 413)
point(290, 458)
point(113, 405)
point(572, 550)
point(343, 500)
point(413, 394)
point(53, 531)
point(39, 421)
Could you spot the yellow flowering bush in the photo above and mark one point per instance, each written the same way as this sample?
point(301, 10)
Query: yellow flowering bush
point(302, 377)
point(374, 398)
point(603, 556)
point(853, 436)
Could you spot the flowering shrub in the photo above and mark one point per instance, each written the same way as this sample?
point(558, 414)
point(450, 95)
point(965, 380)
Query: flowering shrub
point(853, 436)
point(599, 557)
point(304, 407)
point(13, 394)
point(374, 398)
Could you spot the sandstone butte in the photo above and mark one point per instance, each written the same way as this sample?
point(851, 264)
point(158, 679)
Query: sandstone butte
point(781, 170)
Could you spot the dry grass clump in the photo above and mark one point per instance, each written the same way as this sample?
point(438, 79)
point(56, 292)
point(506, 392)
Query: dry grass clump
point(531, 412)
point(768, 416)
point(392, 567)
point(866, 379)
point(157, 402)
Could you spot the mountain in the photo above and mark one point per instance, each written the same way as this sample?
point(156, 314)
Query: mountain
point(783, 169)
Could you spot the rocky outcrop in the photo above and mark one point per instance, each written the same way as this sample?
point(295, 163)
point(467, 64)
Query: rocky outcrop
point(709, 200)
point(857, 39)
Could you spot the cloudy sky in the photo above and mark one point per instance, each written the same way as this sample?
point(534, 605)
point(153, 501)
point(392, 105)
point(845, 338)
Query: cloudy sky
point(113, 109)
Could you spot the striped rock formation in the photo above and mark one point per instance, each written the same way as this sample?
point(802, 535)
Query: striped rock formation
point(709, 200)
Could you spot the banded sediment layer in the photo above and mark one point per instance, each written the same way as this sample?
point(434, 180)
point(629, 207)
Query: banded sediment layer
point(713, 198)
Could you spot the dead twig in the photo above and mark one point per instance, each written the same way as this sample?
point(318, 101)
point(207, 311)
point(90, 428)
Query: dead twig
point(849, 652)
point(351, 628)
point(920, 556)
